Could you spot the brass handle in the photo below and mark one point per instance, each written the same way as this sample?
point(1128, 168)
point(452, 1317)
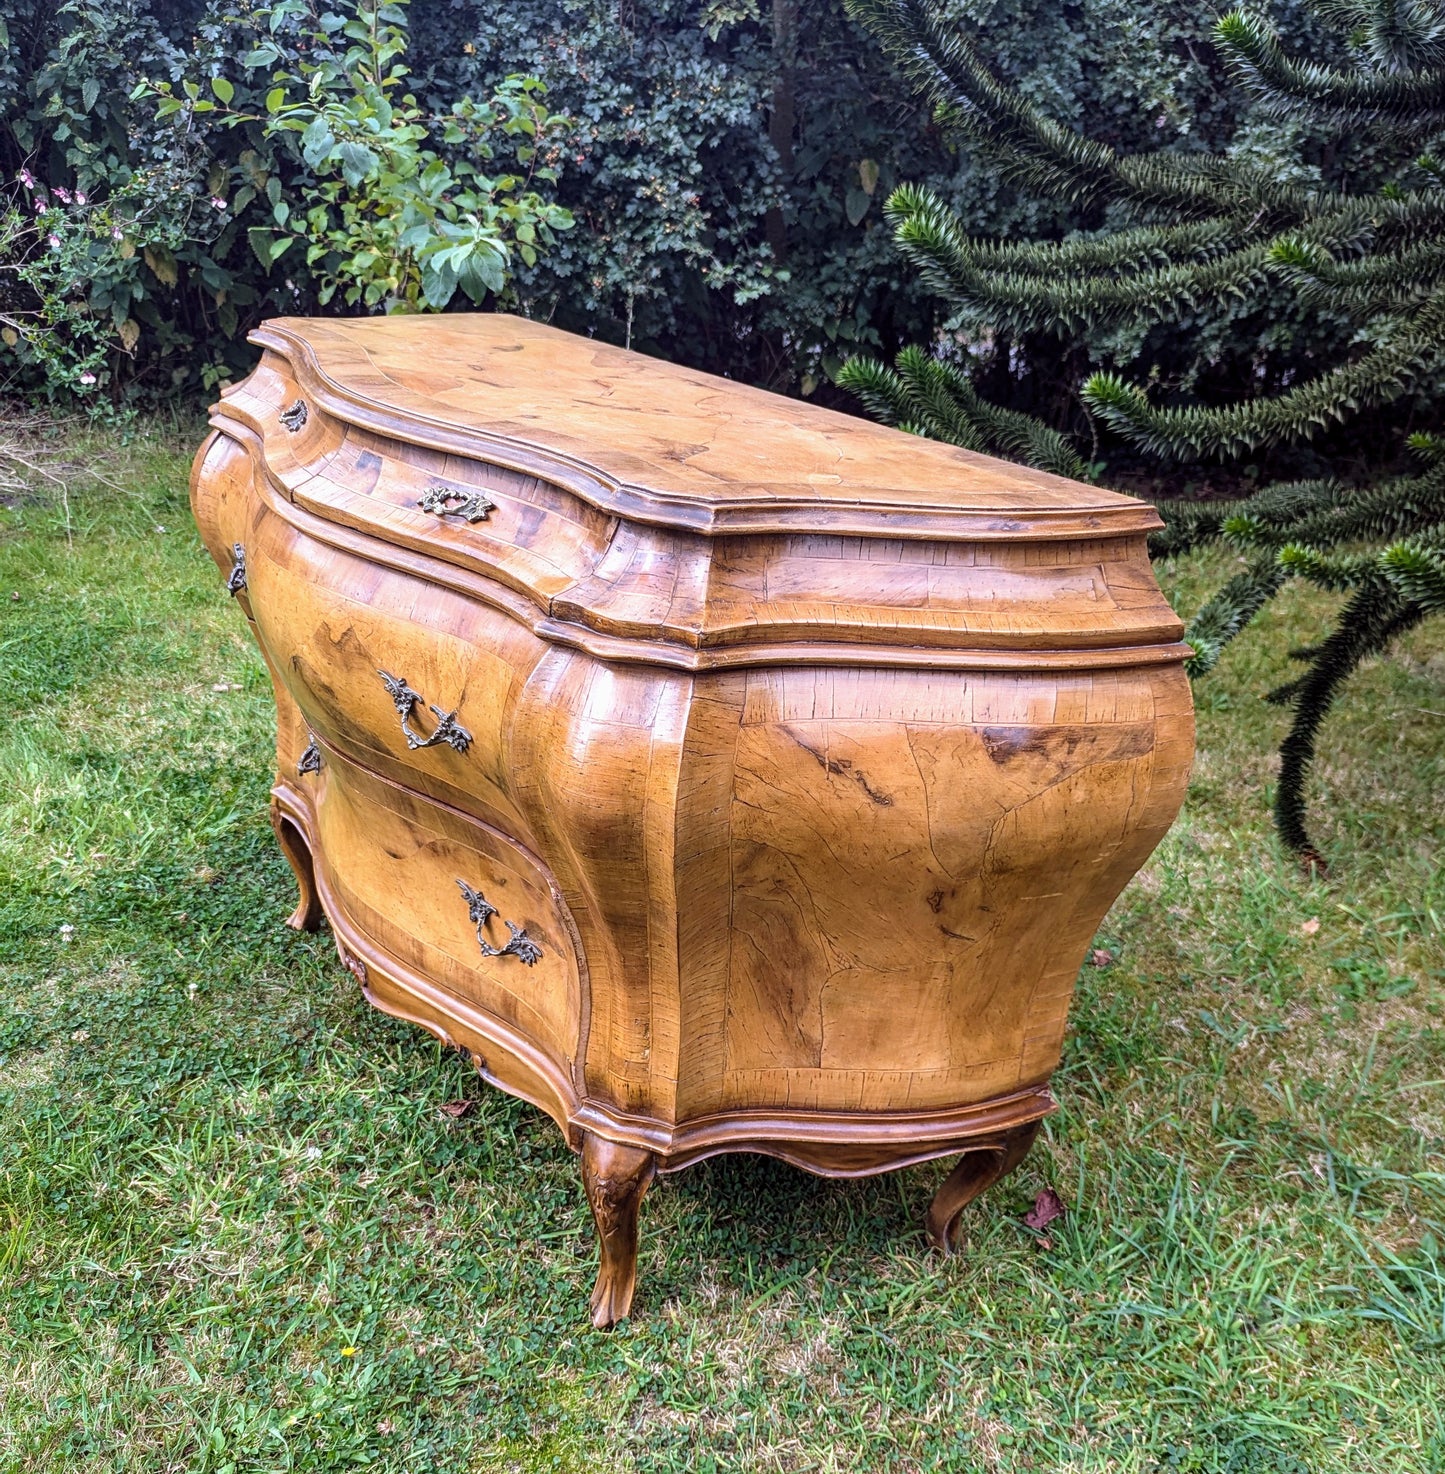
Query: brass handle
point(293, 416)
point(310, 759)
point(479, 911)
point(474, 506)
point(406, 701)
point(236, 580)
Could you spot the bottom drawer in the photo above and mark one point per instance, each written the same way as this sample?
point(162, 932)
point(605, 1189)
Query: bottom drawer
point(394, 859)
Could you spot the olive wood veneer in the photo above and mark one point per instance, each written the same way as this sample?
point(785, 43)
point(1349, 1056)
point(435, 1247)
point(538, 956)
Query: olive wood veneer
point(720, 772)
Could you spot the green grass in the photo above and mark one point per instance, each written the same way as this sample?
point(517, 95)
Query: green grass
point(237, 1233)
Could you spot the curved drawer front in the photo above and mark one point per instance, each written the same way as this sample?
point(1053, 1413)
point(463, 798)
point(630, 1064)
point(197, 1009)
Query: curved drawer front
point(223, 479)
point(414, 680)
point(393, 861)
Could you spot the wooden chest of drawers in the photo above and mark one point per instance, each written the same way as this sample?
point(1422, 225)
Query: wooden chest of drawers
point(722, 773)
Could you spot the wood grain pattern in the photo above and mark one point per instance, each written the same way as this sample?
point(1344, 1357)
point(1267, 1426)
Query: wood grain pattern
point(807, 755)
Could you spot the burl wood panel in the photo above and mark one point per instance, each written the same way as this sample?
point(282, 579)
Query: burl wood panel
point(722, 773)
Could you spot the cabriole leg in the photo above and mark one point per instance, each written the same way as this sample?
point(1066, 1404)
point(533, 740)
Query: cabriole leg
point(615, 1177)
point(308, 915)
point(977, 1170)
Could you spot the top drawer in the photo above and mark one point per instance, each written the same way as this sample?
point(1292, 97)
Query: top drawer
point(519, 529)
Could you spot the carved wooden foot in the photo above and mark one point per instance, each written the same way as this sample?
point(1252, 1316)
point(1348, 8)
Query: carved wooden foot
point(308, 914)
point(978, 1169)
point(615, 1177)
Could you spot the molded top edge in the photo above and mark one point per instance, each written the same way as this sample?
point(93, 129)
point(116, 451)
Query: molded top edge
point(653, 442)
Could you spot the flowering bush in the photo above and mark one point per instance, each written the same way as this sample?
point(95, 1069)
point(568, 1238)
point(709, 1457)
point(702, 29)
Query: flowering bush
point(70, 283)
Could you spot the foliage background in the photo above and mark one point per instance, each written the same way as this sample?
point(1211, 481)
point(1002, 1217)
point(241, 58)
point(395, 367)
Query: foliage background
point(709, 231)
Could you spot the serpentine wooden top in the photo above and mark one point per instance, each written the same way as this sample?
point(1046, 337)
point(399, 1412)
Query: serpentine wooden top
point(648, 513)
point(653, 442)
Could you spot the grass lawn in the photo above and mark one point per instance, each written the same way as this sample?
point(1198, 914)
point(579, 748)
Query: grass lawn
point(239, 1233)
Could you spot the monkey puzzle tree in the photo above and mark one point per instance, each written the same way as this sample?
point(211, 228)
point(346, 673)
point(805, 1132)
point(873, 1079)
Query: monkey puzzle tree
point(1192, 236)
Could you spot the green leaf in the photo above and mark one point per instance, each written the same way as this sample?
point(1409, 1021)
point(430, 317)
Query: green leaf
point(89, 92)
point(222, 88)
point(357, 161)
point(483, 270)
point(317, 142)
point(856, 205)
point(261, 239)
point(438, 282)
point(275, 98)
point(868, 176)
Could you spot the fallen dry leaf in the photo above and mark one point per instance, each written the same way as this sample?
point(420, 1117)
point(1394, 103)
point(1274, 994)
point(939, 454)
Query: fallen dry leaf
point(456, 1109)
point(1047, 1206)
point(1311, 926)
point(1101, 957)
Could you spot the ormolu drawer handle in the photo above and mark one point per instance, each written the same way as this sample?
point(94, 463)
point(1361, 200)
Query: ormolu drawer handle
point(479, 911)
point(293, 416)
point(310, 759)
point(406, 701)
point(236, 580)
point(474, 506)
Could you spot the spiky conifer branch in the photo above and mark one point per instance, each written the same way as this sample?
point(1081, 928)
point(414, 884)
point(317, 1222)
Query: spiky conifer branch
point(1060, 301)
point(1416, 568)
point(1396, 35)
point(1396, 366)
point(1413, 100)
point(1364, 288)
point(1046, 156)
point(926, 396)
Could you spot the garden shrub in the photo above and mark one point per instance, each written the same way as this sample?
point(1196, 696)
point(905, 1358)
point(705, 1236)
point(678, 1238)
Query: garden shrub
point(384, 219)
point(173, 179)
point(726, 165)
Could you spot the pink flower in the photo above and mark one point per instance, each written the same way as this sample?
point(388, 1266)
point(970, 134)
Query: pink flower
point(217, 202)
point(62, 195)
point(79, 197)
point(87, 377)
point(54, 242)
point(116, 233)
point(26, 178)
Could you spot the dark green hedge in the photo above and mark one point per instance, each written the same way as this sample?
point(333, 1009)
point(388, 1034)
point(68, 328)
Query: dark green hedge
point(727, 166)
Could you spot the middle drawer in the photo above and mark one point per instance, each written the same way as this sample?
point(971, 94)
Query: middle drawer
point(414, 680)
